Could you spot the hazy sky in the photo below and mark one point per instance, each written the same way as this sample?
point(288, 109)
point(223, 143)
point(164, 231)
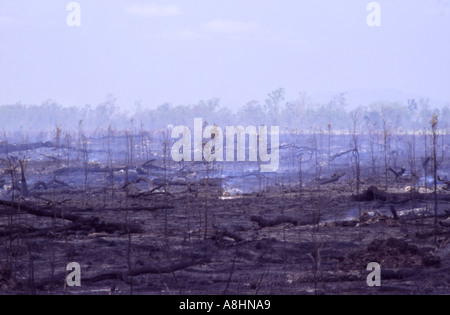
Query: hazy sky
point(236, 50)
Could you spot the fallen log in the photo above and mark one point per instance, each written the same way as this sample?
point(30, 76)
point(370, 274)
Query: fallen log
point(137, 209)
point(446, 182)
point(89, 169)
point(161, 183)
point(7, 148)
point(39, 184)
point(15, 229)
point(33, 233)
point(221, 234)
point(373, 193)
point(97, 223)
point(137, 181)
point(54, 158)
point(50, 202)
point(333, 179)
point(211, 182)
point(148, 163)
point(151, 192)
point(349, 223)
point(57, 183)
point(272, 222)
point(263, 223)
point(332, 158)
point(59, 280)
point(397, 174)
point(430, 233)
point(257, 175)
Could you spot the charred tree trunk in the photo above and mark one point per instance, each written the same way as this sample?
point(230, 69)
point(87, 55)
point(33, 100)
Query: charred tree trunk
point(435, 167)
point(24, 186)
point(394, 213)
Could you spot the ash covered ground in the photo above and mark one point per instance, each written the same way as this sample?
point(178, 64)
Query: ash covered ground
point(139, 223)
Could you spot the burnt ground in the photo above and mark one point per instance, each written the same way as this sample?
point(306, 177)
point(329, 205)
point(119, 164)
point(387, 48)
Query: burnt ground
point(194, 237)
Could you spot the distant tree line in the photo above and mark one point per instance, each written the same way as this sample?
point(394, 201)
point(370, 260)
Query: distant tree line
point(301, 114)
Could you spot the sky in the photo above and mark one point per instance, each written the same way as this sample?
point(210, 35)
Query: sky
point(180, 52)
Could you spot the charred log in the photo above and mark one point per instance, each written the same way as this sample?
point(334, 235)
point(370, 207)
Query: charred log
point(221, 234)
point(30, 232)
point(397, 174)
point(151, 192)
point(273, 222)
point(89, 168)
point(373, 193)
point(432, 233)
point(7, 148)
point(148, 163)
point(59, 280)
point(137, 181)
point(39, 184)
point(446, 182)
point(333, 157)
point(263, 223)
point(97, 223)
point(51, 158)
point(333, 179)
